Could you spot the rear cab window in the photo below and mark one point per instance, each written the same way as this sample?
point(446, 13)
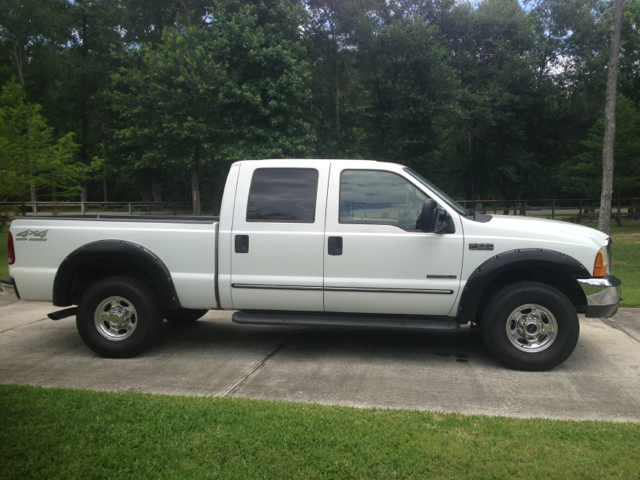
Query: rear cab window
point(284, 195)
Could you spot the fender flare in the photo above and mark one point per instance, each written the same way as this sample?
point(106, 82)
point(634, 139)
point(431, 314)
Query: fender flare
point(137, 255)
point(510, 260)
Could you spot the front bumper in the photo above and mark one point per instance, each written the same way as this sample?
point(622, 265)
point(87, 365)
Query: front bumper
point(603, 296)
point(9, 287)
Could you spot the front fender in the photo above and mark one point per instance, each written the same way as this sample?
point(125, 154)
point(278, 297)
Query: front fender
point(502, 263)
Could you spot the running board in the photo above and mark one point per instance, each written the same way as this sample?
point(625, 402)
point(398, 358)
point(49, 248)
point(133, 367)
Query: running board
point(320, 319)
point(60, 314)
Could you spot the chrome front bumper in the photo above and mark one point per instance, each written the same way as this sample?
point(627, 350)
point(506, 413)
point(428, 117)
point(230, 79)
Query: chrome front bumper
point(9, 288)
point(603, 296)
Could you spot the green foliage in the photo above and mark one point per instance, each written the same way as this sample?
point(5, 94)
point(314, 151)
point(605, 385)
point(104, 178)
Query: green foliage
point(28, 153)
point(582, 175)
point(233, 89)
point(4, 266)
point(155, 86)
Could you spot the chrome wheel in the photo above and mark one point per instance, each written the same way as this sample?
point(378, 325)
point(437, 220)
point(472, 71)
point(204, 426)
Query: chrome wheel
point(116, 318)
point(532, 328)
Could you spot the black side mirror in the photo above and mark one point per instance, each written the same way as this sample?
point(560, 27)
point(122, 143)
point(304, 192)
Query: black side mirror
point(432, 217)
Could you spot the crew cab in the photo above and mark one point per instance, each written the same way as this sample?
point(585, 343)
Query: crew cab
point(321, 242)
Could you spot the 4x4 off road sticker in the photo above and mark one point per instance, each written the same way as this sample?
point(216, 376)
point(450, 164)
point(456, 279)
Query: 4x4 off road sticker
point(32, 236)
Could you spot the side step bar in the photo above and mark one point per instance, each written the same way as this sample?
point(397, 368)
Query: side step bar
point(329, 319)
point(60, 314)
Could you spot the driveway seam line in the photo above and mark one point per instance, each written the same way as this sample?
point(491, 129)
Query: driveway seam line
point(261, 363)
point(24, 325)
point(620, 329)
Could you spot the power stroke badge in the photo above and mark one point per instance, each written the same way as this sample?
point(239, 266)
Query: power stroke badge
point(481, 246)
point(32, 236)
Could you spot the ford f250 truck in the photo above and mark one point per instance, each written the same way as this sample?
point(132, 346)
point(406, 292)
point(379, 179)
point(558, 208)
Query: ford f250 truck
point(321, 242)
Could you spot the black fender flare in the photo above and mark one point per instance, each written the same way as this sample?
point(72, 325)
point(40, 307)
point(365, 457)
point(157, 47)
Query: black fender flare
point(137, 255)
point(510, 260)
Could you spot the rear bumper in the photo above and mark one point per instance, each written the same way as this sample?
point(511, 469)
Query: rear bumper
point(9, 287)
point(603, 296)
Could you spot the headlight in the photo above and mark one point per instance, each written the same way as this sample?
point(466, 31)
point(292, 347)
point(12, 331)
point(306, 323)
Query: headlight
point(601, 265)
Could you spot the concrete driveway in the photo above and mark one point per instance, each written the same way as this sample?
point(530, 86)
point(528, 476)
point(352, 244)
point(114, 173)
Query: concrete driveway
point(451, 372)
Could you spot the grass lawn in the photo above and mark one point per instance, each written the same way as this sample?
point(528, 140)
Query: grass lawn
point(626, 261)
point(57, 433)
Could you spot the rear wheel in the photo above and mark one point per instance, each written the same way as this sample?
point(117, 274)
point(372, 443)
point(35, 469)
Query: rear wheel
point(184, 315)
point(119, 317)
point(530, 326)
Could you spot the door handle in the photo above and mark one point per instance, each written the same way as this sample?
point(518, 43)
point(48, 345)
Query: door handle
point(242, 243)
point(335, 245)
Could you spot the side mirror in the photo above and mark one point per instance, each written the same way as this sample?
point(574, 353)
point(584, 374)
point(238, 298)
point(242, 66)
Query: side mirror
point(432, 217)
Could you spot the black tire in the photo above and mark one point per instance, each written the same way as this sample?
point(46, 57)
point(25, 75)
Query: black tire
point(127, 300)
point(536, 306)
point(185, 315)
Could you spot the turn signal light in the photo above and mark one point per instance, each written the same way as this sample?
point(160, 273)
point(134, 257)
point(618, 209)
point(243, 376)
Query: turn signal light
point(599, 268)
point(11, 252)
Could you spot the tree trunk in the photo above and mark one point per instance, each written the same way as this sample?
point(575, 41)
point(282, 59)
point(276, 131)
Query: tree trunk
point(147, 186)
point(604, 221)
point(195, 190)
point(32, 187)
point(157, 191)
point(104, 163)
point(83, 182)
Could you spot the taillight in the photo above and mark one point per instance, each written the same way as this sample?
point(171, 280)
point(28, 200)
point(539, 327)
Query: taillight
point(11, 251)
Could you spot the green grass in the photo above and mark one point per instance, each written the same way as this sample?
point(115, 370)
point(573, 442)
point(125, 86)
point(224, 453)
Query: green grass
point(4, 267)
point(626, 260)
point(56, 433)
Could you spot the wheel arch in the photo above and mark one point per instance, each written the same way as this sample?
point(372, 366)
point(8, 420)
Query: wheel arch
point(105, 258)
point(550, 267)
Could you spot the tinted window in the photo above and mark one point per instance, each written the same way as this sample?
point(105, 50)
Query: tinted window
point(283, 195)
point(370, 196)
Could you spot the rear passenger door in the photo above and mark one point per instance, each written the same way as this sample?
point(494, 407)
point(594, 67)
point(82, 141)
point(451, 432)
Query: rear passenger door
point(278, 236)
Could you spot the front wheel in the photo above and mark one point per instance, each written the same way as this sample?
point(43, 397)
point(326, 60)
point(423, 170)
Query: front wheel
point(530, 326)
point(119, 317)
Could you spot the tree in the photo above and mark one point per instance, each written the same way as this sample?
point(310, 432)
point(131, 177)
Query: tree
point(231, 89)
point(582, 175)
point(604, 220)
point(28, 153)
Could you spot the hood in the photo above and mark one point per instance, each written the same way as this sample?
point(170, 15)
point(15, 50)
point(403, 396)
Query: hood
point(541, 228)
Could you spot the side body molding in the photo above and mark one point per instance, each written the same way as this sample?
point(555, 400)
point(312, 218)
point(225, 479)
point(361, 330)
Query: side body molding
point(135, 256)
point(548, 261)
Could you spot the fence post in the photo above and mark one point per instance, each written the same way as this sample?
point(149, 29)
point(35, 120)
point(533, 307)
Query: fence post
point(129, 208)
point(523, 208)
point(82, 208)
point(35, 209)
point(553, 209)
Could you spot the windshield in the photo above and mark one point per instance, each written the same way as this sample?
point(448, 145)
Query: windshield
point(447, 199)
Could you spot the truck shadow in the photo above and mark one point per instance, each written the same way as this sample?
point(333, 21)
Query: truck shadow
point(321, 343)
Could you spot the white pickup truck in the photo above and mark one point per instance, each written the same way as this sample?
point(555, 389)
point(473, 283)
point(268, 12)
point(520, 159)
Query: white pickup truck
point(321, 242)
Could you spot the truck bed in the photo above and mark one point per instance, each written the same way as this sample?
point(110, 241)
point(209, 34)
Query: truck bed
point(173, 239)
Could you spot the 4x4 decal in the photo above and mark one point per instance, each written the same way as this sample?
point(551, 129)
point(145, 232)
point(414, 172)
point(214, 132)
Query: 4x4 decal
point(32, 236)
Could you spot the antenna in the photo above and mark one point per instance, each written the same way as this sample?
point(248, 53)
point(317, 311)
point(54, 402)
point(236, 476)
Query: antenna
point(473, 196)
